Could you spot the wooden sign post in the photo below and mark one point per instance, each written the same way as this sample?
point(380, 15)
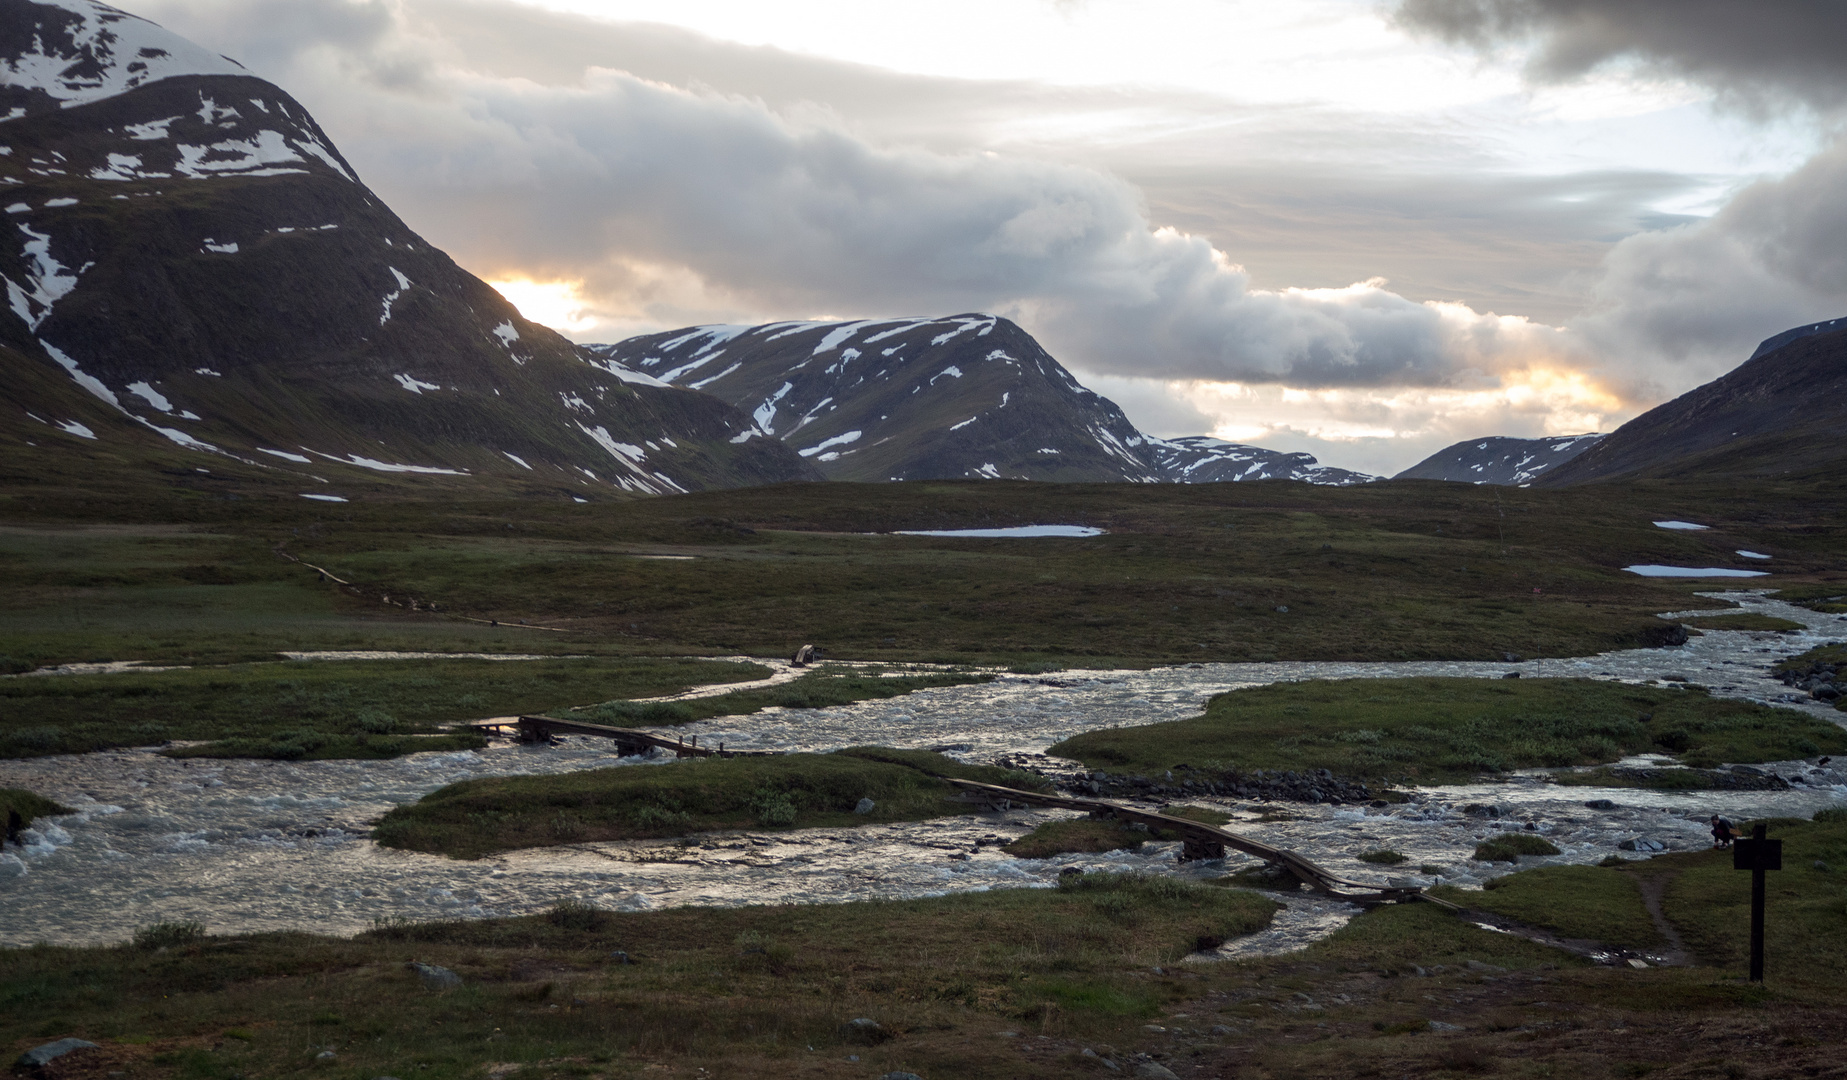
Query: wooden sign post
point(1757, 855)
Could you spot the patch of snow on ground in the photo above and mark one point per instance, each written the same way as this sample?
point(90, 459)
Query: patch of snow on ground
point(66, 201)
point(832, 339)
point(85, 380)
point(285, 455)
point(517, 460)
point(1752, 554)
point(153, 129)
point(77, 429)
point(206, 371)
point(1017, 531)
point(49, 279)
point(950, 370)
point(227, 248)
point(389, 466)
point(710, 379)
point(838, 440)
point(323, 498)
point(1687, 525)
point(415, 386)
point(506, 333)
point(963, 424)
point(151, 396)
point(765, 413)
point(257, 156)
point(1657, 570)
point(391, 298)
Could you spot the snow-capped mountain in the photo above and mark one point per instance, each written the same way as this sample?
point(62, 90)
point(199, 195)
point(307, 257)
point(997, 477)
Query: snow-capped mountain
point(903, 399)
point(1200, 459)
point(934, 398)
point(1499, 459)
point(185, 244)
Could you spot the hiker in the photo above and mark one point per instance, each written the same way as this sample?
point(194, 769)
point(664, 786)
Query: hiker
point(1722, 832)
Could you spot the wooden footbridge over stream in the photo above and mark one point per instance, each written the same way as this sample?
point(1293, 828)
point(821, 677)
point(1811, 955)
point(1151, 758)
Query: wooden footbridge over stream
point(1198, 839)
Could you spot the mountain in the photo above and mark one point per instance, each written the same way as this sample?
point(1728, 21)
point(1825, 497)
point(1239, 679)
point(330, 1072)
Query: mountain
point(1782, 413)
point(1499, 459)
point(1200, 459)
point(934, 398)
point(186, 245)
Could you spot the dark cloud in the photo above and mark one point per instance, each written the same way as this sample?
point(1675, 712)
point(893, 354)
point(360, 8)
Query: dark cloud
point(1686, 304)
point(1758, 50)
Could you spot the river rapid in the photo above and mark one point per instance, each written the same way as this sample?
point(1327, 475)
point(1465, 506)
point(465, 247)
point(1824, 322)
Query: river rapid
point(246, 846)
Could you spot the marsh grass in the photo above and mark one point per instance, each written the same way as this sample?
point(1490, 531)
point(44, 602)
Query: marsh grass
point(319, 708)
point(1509, 846)
point(478, 817)
point(822, 689)
point(737, 991)
point(1075, 836)
point(1584, 902)
point(28, 805)
point(1437, 731)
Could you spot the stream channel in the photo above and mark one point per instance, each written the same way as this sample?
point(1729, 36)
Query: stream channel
point(248, 846)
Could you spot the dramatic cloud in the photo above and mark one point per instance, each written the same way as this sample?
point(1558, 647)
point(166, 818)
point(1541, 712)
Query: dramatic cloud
point(671, 204)
point(1759, 50)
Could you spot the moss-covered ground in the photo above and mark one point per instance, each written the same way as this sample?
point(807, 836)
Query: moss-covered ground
point(823, 688)
point(28, 805)
point(988, 985)
point(321, 708)
point(1397, 570)
point(789, 791)
point(1435, 731)
point(1744, 620)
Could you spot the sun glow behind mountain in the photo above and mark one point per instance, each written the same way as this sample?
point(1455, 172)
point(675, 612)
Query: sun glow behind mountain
point(557, 304)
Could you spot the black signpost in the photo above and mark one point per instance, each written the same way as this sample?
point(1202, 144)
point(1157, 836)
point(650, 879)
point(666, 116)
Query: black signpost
point(1757, 855)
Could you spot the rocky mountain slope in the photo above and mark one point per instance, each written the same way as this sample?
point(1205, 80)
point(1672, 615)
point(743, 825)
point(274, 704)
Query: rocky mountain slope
point(905, 399)
point(184, 244)
point(1782, 413)
point(1499, 459)
point(1201, 459)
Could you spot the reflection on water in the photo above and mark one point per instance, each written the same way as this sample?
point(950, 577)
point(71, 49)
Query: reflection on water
point(250, 845)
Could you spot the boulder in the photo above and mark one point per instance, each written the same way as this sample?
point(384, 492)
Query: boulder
point(1600, 804)
point(51, 1051)
point(864, 1030)
point(900, 1076)
point(865, 806)
point(435, 978)
point(1150, 1070)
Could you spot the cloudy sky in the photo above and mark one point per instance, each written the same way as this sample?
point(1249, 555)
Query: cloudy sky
point(1362, 228)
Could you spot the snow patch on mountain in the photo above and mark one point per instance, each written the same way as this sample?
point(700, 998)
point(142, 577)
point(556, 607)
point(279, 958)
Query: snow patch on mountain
point(84, 51)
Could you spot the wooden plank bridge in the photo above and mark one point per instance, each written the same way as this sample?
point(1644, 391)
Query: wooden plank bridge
point(1198, 839)
point(541, 729)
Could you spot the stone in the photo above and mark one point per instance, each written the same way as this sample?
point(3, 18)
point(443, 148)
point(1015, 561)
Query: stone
point(1639, 965)
point(1822, 866)
point(51, 1051)
point(435, 978)
point(900, 1076)
point(1438, 1025)
point(1154, 1028)
point(325, 1055)
point(1600, 804)
point(620, 957)
point(1150, 1070)
point(865, 806)
point(1220, 1029)
point(864, 1030)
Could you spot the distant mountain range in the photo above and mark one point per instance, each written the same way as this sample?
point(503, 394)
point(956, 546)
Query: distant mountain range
point(935, 398)
point(1499, 459)
point(191, 252)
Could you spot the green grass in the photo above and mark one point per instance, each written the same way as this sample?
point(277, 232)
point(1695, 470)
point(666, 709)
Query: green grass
point(1648, 779)
point(1436, 731)
point(1584, 902)
point(790, 791)
point(1398, 570)
point(821, 689)
point(28, 805)
point(1806, 908)
point(318, 708)
point(1829, 597)
point(1383, 857)
point(1395, 937)
point(1075, 836)
point(734, 991)
point(1509, 846)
